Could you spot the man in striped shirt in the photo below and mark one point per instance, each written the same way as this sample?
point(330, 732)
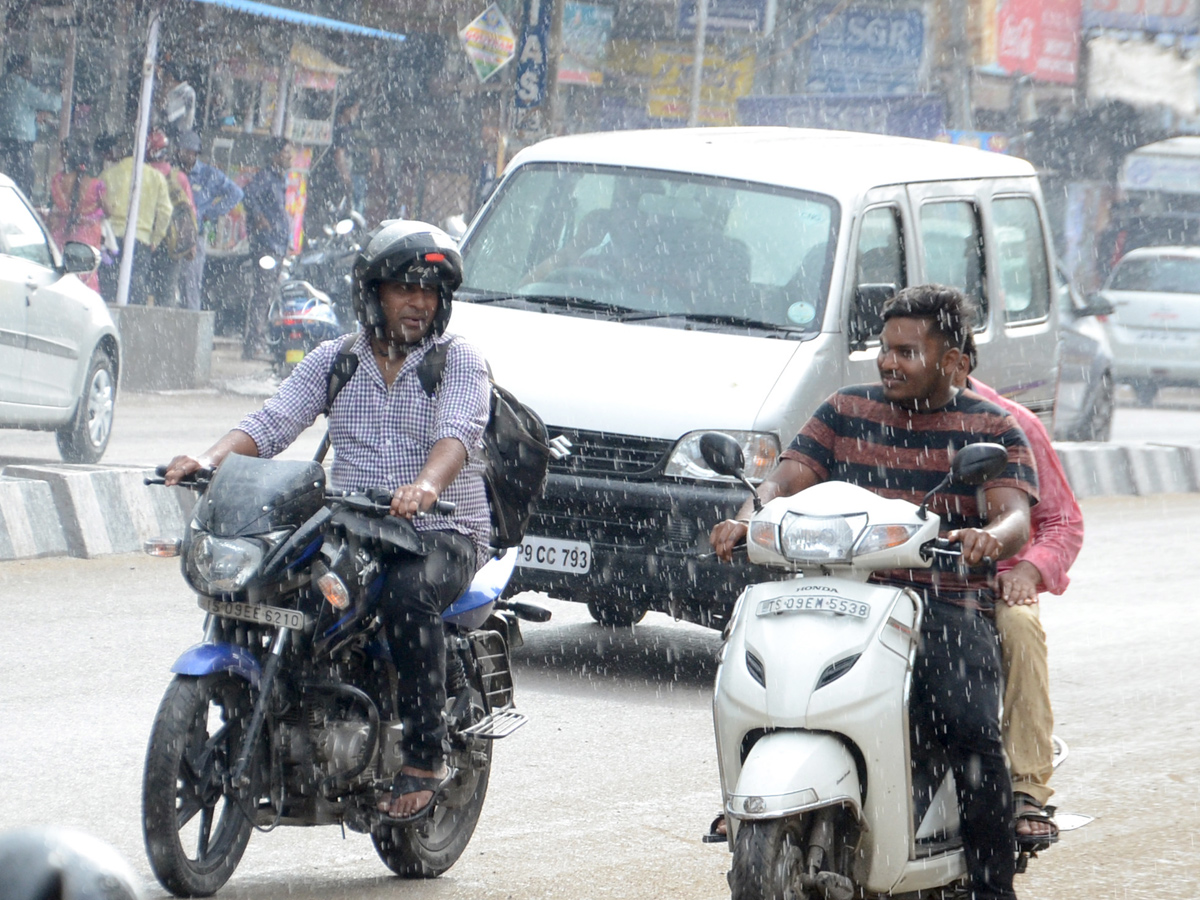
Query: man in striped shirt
point(897, 438)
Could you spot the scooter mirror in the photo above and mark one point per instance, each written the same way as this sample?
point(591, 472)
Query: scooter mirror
point(345, 226)
point(722, 453)
point(978, 463)
point(267, 262)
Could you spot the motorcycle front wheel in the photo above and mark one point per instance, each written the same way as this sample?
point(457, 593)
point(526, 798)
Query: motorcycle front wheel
point(429, 848)
point(195, 831)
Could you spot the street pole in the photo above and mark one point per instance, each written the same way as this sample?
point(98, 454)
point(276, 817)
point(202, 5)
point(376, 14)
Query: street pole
point(139, 160)
point(553, 54)
point(698, 61)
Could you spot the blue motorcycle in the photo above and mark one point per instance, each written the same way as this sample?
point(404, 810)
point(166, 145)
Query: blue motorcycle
point(287, 713)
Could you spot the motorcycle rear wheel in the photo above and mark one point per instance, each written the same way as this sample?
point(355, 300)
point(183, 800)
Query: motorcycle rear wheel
point(193, 744)
point(431, 847)
point(768, 860)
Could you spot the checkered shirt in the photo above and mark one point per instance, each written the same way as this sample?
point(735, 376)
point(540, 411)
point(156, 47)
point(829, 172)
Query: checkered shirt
point(382, 436)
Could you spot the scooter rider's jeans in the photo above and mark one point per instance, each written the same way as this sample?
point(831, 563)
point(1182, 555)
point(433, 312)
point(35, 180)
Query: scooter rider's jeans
point(417, 590)
point(956, 705)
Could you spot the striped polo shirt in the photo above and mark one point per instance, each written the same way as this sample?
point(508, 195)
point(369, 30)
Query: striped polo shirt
point(859, 437)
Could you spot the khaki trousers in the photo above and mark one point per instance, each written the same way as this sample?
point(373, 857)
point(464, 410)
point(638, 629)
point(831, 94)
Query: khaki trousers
point(1028, 721)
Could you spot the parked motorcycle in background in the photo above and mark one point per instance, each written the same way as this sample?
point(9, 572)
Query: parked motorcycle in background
point(300, 318)
point(287, 712)
point(327, 261)
point(825, 794)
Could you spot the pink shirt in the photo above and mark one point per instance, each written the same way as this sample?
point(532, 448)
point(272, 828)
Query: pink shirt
point(1056, 535)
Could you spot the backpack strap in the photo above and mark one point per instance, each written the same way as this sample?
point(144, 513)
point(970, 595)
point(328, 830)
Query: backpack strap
point(433, 364)
point(345, 364)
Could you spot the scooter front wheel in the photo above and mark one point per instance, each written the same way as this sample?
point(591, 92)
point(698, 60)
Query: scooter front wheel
point(195, 832)
point(768, 860)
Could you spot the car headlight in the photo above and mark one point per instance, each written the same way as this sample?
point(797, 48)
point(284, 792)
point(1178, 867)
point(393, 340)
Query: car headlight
point(223, 565)
point(819, 539)
point(761, 450)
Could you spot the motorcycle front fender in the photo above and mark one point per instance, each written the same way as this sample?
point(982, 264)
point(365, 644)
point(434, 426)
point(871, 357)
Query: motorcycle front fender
point(787, 772)
point(208, 658)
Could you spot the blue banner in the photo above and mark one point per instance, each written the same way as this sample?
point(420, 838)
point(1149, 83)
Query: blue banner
point(916, 115)
point(867, 50)
point(532, 54)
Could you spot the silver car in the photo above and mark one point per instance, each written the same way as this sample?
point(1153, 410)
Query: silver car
point(1155, 327)
point(59, 350)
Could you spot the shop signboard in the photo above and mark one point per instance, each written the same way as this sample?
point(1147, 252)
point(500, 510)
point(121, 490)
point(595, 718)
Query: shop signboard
point(725, 15)
point(916, 115)
point(531, 57)
point(489, 42)
point(1039, 38)
point(585, 32)
point(867, 50)
point(725, 80)
point(1170, 16)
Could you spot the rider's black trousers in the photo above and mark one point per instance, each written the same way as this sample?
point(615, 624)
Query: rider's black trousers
point(417, 590)
point(955, 705)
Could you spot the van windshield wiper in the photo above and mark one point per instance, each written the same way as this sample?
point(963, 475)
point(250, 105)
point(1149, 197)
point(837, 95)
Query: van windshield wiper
point(709, 318)
point(475, 295)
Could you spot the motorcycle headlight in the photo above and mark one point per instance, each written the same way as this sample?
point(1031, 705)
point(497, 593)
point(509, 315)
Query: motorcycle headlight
point(223, 565)
point(761, 450)
point(819, 539)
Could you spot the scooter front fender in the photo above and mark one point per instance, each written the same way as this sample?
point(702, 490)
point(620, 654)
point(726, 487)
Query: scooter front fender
point(787, 772)
point(208, 658)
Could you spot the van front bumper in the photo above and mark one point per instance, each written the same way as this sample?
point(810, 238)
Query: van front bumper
point(648, 543)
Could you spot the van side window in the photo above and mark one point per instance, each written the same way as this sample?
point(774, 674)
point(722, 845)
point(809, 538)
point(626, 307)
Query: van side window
point(1021, 255)
point(953, 242)
point(881, 248)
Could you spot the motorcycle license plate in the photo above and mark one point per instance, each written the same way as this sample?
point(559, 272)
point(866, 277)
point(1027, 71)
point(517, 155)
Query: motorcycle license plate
point(253, 612)
point(814, 603)
point(574, 557)
point(294, 356)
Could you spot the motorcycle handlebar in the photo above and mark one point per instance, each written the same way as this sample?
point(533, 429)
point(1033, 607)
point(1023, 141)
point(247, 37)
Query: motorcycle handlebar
point(377, 502)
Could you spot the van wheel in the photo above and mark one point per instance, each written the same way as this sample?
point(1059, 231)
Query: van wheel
point(1098, 426)
point(615, 613)
point(1145, 391)
point(85, 437)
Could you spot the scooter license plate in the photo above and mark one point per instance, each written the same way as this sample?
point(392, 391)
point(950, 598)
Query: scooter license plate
point(253, 612)
point(294, 356)
point(842, 606)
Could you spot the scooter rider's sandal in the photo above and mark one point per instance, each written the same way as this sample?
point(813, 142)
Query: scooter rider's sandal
point(714, 836)
point(411, 784)
point(1029, 810)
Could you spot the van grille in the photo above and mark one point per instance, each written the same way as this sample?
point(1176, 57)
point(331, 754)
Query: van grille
point(627, 528)
point(602, 453)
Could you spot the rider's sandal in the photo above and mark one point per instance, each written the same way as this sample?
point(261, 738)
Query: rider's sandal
point(714, 836)
point(412, 784)
point(1029, 810)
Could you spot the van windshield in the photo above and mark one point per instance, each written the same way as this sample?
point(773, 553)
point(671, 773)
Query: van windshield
point(655, 247)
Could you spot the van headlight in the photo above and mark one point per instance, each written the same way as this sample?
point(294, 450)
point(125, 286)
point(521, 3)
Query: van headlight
point(760, 448)
point(218, 565)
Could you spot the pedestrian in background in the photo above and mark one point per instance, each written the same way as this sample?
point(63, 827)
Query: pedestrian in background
point(268, 225)
point(215, 195)
point(20, 102)
point(77, 195)
point(149, 228)
point(177, 112)
point(331, 190)
point(179, 245)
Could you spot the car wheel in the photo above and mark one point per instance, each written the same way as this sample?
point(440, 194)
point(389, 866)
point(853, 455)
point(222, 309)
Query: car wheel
point(1145, 391)
point(85, 438)
point(1098, 426)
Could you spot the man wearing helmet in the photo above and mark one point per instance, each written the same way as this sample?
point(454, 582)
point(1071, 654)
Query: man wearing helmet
point(387, 432)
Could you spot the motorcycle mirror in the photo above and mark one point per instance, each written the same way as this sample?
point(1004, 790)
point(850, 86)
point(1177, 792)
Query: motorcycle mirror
point(267, 262)
point(724, 456)
point(345, 226)
point(978, 463)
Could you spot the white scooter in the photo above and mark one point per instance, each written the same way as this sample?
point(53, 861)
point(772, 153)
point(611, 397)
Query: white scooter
point(823, 798)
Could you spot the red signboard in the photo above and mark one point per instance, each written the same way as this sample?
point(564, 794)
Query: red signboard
point(1039, 38)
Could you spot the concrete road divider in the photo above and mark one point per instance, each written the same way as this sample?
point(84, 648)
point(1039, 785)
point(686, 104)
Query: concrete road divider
point(86, 511)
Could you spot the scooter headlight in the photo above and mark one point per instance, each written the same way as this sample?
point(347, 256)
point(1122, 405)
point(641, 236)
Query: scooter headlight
point(223, 565)
point(819, 539)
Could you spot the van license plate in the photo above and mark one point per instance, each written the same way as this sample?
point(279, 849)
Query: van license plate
point(554, 555)
point(254, 612)
point(813, 603)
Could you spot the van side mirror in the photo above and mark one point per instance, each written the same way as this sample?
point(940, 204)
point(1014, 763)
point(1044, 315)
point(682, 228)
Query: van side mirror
point(866, 317)
point(79, 258)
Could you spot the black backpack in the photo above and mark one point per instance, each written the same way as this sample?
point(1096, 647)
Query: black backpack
point(515, 443)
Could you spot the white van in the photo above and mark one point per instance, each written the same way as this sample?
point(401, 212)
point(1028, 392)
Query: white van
point(640, 288)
